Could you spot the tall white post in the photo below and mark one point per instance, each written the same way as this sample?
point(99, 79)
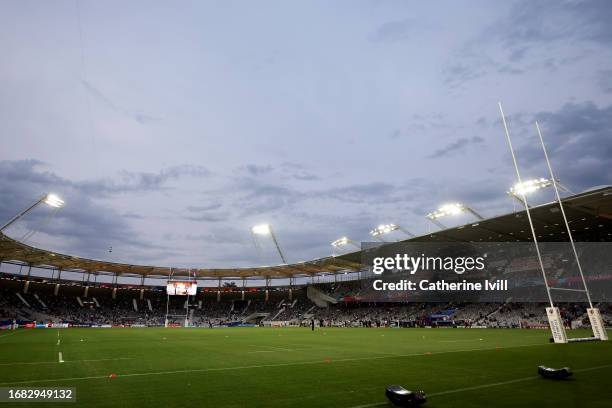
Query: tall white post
point(569, 230)
point(595, 319)
point(552, 312)
point(518, 176)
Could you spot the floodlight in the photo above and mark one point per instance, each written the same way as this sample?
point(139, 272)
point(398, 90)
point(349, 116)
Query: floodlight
point(383, 229)
point(53, 200)
point(262, 229)
point(450, 209)
point(49, 199)
point(266, 229)
point(340, 242)
point(529, 186)
point(446, 209)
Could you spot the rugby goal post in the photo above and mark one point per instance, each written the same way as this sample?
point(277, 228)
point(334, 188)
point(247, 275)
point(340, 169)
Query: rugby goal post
point(184, 287)
point(553, 314)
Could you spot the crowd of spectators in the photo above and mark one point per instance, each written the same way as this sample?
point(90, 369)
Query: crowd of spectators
point(149, 308)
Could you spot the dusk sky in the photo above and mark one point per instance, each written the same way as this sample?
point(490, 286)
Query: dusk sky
point(170, 128)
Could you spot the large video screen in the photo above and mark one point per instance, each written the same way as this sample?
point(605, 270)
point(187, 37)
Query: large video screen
point(182, 288)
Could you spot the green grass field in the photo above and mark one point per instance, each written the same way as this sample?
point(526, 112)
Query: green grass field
point(264, 367)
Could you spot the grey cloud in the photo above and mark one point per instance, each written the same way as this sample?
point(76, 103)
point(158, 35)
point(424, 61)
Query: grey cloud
point(393, 31)
point(482, 122)
point(209, 217)
point(293, 165)
point(518, 54)
point(305, 176)
point(139, 181)
point(463, 69)
point(133, 216)
point(261, 198)
point(88, 227)
point(84, 226)
point(360, 193)
point(288, 170)
point(90, 236)
point(507, 69)
point(352, 93)
point(258, 170)
point(579, 140)
point(207, 213)
point(268, 198)
point(545, 21)
point(200, 208)
point(523, 39)
point(456, 146)
point(604, 80)
point(396, 134)
point(298, 171)
point(222, 235)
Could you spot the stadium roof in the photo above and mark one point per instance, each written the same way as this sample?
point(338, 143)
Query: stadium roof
point(587, 211)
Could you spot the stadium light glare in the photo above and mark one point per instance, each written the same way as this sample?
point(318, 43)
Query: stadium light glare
point(529, 186)
point(445, 210)
point(340, 242)
point(262, 229)
point(49, 199)
point(266, 229)
point(53, 200)
point(383, 229)
point(450, 209)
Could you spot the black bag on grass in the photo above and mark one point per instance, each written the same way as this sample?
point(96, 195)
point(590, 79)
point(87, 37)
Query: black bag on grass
point(401, 397)
point(554, 373)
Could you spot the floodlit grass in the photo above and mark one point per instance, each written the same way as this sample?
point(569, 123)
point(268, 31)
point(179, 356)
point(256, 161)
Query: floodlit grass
point(263, 367)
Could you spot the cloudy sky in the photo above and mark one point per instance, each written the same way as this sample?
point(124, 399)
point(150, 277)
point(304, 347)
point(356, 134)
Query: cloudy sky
point(171, 128)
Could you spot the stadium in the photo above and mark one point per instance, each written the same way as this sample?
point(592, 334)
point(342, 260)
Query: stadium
point(305, 204)
point(238, 342)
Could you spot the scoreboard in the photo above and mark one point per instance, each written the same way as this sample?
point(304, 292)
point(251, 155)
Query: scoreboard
point(182, 288)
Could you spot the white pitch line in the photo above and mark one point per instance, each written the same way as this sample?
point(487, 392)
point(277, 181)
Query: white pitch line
point(58, 337)
point(277, 351)
point(309, 346)
point(65, 362)
point(100, 359)
point(479, 387)
point(60, 357)
point(272, 347)
point(278, 348)
point(535, 377)
point(298, 363)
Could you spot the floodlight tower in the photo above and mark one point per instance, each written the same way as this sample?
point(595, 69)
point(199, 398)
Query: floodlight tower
point(383, 229)
point(344, 241)
point(50, 199)
point(450, 209)
point(520, 189)
point(266, 229)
